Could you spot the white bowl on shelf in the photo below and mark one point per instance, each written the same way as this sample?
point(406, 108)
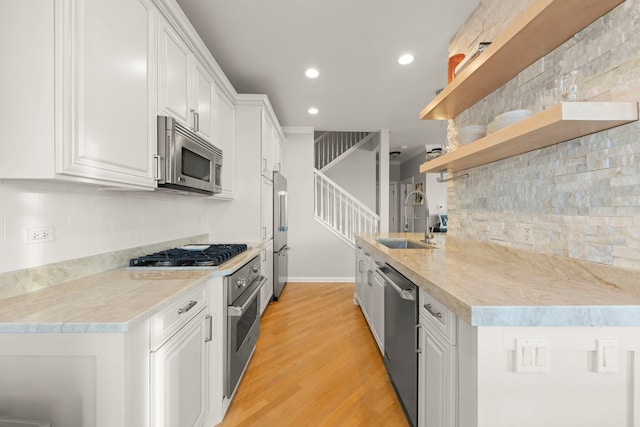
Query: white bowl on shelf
point(471, 133)
point(507, 119)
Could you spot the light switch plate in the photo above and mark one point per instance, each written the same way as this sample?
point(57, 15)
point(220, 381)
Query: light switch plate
point(532, 355)
point(606, 355)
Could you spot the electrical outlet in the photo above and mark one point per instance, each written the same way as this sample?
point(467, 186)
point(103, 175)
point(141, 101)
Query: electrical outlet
point(524, 234)
point(40, 234)
point(496, 231)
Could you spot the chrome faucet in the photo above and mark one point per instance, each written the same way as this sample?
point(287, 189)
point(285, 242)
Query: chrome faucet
point(428, 235)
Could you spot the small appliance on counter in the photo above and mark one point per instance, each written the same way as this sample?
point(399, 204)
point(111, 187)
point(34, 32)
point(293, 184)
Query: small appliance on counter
point(206, 255)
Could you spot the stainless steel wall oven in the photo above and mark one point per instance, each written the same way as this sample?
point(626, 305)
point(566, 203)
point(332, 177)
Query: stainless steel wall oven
point(243, 321)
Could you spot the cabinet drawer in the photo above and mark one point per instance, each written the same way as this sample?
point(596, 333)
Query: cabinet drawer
point(169, 321)
point(438, 316)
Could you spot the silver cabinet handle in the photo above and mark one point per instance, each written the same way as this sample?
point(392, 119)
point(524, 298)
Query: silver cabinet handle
point(404, 294)
point(431, 311)
point(196, 117)
point(264, 165)
point(192, 111)
point(156, 173)
point(187, 307)
point(210, 330)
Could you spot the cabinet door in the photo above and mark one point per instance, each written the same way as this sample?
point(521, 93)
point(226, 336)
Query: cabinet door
point(365, 302)
point(437, 380)
point(224, 138)
point(27, 89)
point(267, 137)
point(275, 150)
point(377, 311)
point(267, 209)
point(180, 377)
point(106, 118)
point(203, 105)
point(266, 264)
point(360, 281)
point(174, 68)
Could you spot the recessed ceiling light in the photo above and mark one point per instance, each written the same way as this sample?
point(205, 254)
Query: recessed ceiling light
point(313, 110)
point(312, 73)
point(405, 59)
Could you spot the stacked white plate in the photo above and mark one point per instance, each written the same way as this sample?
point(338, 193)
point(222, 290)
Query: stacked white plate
point(507, 119)
point(471, 133)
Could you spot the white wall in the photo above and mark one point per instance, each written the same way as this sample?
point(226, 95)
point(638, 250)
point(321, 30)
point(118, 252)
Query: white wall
point(89, 221)
point(357, 175)
point(316, 254)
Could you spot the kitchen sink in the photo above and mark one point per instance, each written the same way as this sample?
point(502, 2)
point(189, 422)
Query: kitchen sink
point(404, 244)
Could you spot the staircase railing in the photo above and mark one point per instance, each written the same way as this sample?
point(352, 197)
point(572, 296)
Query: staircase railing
point(340, 212)
point(330, 145)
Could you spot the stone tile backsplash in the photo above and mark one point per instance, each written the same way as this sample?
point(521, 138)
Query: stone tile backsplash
point(580, 198)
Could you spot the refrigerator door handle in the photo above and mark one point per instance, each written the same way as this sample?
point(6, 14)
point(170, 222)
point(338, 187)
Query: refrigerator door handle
point(283, 226)
point(284, 250)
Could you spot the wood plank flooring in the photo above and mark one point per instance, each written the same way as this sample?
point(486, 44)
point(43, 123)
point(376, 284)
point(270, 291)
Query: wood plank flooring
point(316, 364)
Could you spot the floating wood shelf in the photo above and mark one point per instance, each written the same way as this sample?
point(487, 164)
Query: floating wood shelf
point(562, 122)
point(538, 31)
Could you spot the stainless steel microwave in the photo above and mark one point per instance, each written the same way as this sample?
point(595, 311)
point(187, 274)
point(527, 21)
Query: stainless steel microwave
point(186, 162)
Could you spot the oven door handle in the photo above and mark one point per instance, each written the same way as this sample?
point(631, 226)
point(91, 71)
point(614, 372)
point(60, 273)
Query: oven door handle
point(236, 311)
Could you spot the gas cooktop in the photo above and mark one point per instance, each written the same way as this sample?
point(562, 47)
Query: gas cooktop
point(207, 255)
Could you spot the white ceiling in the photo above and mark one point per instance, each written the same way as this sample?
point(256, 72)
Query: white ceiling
point(265, 46)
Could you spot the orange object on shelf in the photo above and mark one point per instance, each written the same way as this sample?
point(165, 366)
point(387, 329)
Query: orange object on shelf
point(453, 63)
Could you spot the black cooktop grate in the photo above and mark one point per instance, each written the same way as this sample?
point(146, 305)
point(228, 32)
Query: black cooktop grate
point(199, 256)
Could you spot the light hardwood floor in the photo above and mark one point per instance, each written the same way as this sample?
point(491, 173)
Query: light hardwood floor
point(316, 364)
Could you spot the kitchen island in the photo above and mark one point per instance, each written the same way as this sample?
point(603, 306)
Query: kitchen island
point(535, 339)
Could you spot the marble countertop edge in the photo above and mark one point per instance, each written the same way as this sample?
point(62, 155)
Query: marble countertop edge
point(556, 316)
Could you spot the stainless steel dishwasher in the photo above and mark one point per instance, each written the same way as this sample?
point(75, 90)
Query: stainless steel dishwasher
point(401, 338)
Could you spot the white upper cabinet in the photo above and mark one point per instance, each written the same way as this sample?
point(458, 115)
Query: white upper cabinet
point(108, 53)
point(224, 136)
point(86, 109)
point(186, 90)
point(267, 144)
point(204, 91)
point(267, 209)
point(173, 74)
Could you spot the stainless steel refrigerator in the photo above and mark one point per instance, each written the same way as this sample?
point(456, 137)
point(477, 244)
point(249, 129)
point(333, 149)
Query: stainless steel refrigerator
point(280, 228)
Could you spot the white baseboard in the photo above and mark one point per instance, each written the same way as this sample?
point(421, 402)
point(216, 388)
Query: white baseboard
point(321, 279)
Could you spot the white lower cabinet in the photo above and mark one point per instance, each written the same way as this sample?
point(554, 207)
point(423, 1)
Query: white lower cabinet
point(180, 381)
point(180, 362)
point(377, 310)
point(437, 380)
point(370, 295)
point(266, 264)
point(437, 365)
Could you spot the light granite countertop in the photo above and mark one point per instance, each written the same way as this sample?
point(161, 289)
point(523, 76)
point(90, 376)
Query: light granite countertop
point(493, 285)
point(108, 302)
